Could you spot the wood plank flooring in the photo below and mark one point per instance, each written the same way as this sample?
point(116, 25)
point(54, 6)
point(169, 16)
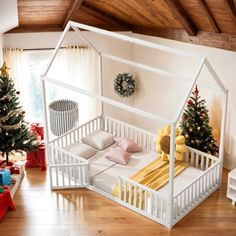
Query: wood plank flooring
point(43, 212)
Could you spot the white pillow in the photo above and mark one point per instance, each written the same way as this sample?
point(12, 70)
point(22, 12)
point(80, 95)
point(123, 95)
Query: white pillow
point(99, 139)
point(82, 150)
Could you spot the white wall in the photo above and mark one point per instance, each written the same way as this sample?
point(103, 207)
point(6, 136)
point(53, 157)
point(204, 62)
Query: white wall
point(224, 63)
point(8, 15)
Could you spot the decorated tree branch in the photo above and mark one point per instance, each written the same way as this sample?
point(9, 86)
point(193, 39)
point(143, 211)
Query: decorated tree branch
point(195, 125)
point(14, 132)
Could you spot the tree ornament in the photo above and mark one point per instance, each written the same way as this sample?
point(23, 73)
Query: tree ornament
point(190, 102)
point(4, 70)
point(18, 92)
point(184, 117)
point(198, 128)
point(196, 91)
point(124, 85)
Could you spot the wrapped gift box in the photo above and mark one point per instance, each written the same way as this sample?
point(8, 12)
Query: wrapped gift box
point(5, 177)
point(37, 129)
point(6, 203)
point(36, 158)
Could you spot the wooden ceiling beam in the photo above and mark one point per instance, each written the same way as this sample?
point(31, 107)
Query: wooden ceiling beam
point(75, 5)
point(148, 5)
point(232, 9)
point(208, 14)
point(36, 28)
point(181, 15)
point(210, 39)
point(97, 12)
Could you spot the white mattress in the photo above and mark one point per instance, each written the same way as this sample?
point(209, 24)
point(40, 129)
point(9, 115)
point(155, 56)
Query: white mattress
point(107, 179)
point(98, 163)
point(182, 180)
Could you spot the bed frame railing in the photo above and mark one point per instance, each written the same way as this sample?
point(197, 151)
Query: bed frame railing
point(197, 191)
point(153, 205)
point(78, 133)
point(199, 159)
point(71, 171)
point(142, 199)
point(143, 138)
point(66, 169)
point(118, 128)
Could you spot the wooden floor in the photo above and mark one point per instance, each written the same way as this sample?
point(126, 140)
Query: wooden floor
point(43, 212)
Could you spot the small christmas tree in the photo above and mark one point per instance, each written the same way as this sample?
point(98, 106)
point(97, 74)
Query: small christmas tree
point(195, 125)
point(14, 133)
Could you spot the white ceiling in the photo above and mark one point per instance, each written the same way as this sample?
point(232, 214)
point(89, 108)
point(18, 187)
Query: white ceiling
point(8, 15)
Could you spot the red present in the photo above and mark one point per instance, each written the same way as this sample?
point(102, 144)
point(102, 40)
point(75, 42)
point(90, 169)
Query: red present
point(4, 164)
point(36, 158)
point(5, 203)
point(14, 170)
point(37, 129)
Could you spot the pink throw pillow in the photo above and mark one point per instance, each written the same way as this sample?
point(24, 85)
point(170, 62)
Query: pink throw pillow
point(118, 155)
point(128, 145)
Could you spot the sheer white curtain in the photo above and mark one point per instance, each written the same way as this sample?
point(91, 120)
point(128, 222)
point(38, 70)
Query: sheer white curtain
point(78, 66)
point(75, 65)
point(14, 59)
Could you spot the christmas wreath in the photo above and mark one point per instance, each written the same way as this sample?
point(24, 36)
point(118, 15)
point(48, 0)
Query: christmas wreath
point(124, 85)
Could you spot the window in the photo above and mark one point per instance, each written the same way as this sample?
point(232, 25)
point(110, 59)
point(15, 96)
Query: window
point(74, 65)
point(35, 63)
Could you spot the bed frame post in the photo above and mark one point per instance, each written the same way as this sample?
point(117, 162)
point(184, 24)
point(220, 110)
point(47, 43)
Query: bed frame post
point(223, 115)
point(171, 175)
point(101, 83)
point(46, 126)
point(222, 133)
point(45, 114)
point(56, 49)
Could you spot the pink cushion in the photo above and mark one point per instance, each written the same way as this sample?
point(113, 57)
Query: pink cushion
point(128, 145)
point(118, 155)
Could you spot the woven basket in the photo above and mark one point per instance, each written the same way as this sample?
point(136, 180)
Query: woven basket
point(64, 116)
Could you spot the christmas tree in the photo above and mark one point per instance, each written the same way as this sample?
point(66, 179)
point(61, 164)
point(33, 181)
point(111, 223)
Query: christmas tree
point(195, 125)
point(14, 132)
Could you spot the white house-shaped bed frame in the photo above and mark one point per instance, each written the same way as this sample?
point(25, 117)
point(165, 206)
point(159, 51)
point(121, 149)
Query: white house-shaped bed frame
point(193, 194)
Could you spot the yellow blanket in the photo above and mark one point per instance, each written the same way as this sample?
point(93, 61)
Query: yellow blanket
point(154, 176)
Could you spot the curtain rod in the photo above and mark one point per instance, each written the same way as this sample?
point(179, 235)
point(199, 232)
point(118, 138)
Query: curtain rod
point(41, 49)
